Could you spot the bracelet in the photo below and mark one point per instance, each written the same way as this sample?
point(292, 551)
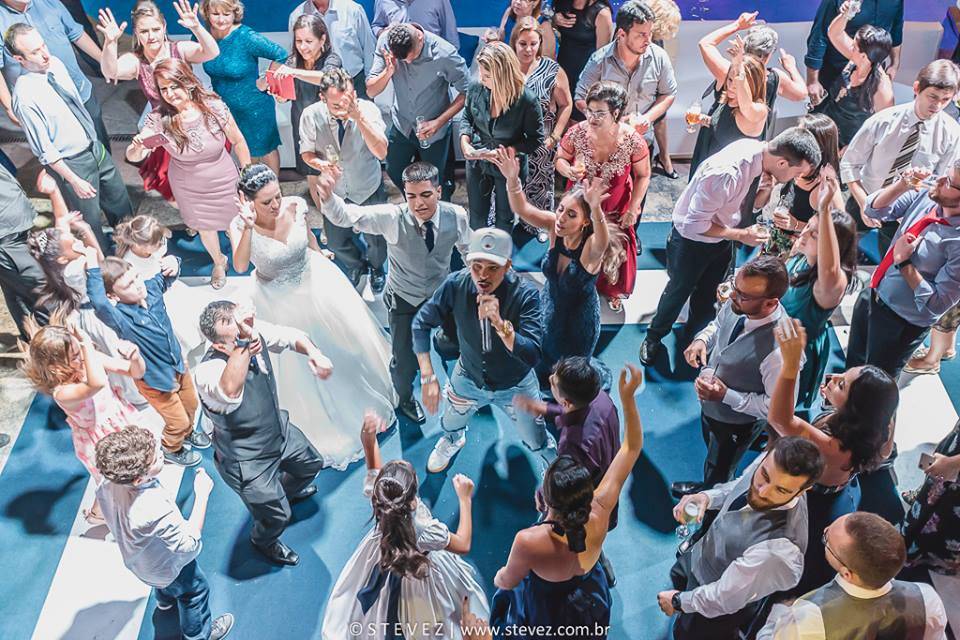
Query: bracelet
point(428, 379)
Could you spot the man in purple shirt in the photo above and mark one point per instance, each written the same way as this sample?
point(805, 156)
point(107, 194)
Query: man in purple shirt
point(586, 419)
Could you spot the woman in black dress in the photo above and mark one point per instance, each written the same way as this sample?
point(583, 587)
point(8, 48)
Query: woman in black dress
point(584, 26)
point(863, 87)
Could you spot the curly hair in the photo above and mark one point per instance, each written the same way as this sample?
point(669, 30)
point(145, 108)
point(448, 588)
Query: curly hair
point(862, 424)
point(49, 361)
point(253, 178)
point(568, 491)
point(666, 19)
point(393, 499)
point(46, 248)
point(125, 456)
point(234, 6)
point(139, 231)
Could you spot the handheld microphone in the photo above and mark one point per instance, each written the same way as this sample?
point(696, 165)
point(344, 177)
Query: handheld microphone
point(486, 335)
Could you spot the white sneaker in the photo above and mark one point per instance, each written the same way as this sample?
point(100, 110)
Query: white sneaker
point(443, 451)
point(369, 481)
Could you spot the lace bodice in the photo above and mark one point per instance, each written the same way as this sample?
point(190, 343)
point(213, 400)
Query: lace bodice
point(281, 263)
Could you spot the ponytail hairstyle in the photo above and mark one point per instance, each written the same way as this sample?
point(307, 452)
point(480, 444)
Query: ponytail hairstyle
point(47, 249)
point(568, 491)
point(49, 361)
point(254, 177)
point(876, 44)
point(139, 231)
point(394, 503)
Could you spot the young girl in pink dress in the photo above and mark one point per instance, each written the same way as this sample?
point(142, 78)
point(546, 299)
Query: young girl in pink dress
point(63, 363)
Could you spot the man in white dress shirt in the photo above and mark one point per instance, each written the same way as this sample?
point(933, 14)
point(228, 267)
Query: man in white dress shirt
point(863, 602)
point(157, 544)
point(917, 134)
point(752, 549)
point(705, 225)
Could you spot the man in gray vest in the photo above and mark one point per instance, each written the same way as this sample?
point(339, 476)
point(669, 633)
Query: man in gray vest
point(753, 548)
point(266, 460)
point(421, 236)
point(739, 362)
point(863, 602)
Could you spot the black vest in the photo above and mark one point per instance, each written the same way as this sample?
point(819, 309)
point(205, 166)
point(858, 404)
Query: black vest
point(899, 614)
point(257, 429)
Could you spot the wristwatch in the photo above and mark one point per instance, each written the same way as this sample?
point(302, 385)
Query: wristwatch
point(428, 379)
point(505, 330)
point(901, 265)
point(675, 602)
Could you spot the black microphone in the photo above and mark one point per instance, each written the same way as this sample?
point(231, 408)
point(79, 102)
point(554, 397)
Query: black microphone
point(486, 335)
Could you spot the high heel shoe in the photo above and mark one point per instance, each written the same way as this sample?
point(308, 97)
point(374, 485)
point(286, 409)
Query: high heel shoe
point(218, 277)
point(673, 175)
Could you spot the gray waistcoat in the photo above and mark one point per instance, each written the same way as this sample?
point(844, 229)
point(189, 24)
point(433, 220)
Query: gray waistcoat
point(738, 364)
point(732, 533)
point(415, 273)
point(897, 615)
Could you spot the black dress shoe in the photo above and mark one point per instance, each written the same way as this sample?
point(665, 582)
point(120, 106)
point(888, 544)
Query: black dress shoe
point(412, 410)
point(685, 488)
point(303, 495)
point(278, 553)
point(378, 279)
point(649, 350)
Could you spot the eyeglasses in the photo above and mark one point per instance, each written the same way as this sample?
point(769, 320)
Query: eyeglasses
point(596, 115)
point(826, 546)
point(742, 297)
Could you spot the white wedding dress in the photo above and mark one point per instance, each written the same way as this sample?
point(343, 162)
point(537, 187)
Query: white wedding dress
point(298, 287)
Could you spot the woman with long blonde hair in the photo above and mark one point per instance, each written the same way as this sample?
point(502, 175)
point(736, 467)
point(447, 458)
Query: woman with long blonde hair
point(195, 125)
point(499, 112)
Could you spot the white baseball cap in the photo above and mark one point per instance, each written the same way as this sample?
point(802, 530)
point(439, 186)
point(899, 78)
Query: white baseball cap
point(490, 244)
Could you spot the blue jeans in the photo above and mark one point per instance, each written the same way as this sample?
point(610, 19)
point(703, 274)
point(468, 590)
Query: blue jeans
point(464, 398)
point(190, 592)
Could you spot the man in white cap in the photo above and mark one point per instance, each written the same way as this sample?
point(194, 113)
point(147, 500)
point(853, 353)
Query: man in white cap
point(497, 315)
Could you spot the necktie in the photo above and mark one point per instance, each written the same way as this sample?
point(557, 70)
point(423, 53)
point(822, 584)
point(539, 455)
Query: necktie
point(739, 502)
point(737, 329)
point(75, 106)
point(915, 230)
point(428, 234)
point(341, 131)
point(905, 157)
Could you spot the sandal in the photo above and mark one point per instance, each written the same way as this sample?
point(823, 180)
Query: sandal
point(921, 352)
point(673, 175)
point(218, 277)
point(616, 304)
point(93, 518)
point(920, 371)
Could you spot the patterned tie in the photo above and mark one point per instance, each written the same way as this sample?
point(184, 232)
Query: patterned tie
point(905, 157)
point(76, 107)
point(428, 236)
point(737, 329)
point(915, 230)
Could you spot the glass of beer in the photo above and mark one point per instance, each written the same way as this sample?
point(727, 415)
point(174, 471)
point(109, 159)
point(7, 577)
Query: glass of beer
point(693, 116)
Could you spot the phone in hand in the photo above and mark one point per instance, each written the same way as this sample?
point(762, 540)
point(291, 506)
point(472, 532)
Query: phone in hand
point(927, 459)
point(154, 141)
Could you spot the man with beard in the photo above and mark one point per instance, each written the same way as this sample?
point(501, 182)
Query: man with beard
point(739, 362)
point(918, 279)
point(497, 314)
point(753, 548)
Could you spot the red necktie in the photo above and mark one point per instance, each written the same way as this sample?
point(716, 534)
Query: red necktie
point(915, 230)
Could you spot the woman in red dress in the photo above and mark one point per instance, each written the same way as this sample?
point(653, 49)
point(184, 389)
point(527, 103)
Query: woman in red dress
point(603, 146)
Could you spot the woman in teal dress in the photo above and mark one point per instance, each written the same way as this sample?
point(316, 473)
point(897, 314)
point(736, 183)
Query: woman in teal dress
point(821, 267)
point(235, 76)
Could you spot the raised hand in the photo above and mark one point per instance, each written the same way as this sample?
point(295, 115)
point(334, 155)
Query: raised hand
point(506, 160)
point(389, 61)
point(792, 338)
point(747, 20)
point(245, 211)
point(463, 486)
point(630, 380)
point(829, 187)
point(736, 50)
point(787, 61)
point(108, 26)
point(188, 14)
point(596, 192)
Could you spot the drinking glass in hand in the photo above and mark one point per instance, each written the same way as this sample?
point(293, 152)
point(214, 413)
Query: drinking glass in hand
point(694, 116)
point(423, 139)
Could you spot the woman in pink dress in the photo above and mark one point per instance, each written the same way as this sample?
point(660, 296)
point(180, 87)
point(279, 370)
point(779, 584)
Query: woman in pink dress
point(195, 125)
point(63, 363)
point(603, 146)
point(151, 46)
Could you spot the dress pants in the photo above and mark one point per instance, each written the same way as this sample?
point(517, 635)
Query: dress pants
point(482, 183)
point(96, 167)
point(191, 593)
point(403, 365)
point(693, 626)
point(20, 276)
point(343, 241)
point(695, 269)
point(726, 443)
point(879, 336)
point(405, 150)
point(265, 485)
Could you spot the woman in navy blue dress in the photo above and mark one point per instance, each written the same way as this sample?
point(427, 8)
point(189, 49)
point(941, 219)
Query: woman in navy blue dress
point(579, 239)
point(553, 576)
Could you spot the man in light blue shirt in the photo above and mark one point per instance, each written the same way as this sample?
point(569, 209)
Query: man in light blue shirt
point(919, 279)
point(60, 31)
point(350, 35)
point(436, 16)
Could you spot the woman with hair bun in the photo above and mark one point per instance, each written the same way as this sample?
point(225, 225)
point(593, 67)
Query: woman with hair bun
point(294, 284)
point(554, 576)
point(407, 569)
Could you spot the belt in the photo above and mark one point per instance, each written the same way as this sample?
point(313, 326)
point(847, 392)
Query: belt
point(16, 236)
point(78, 154)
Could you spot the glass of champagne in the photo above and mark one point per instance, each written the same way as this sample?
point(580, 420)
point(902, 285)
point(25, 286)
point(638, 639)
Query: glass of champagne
point(331, 154)
point(579, 168)
point(693, 116)
point(423, 140)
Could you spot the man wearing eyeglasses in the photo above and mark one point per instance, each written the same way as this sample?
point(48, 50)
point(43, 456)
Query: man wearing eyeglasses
point(753, 548)
point(739, 362)
point(918, 279)
point(863, 601)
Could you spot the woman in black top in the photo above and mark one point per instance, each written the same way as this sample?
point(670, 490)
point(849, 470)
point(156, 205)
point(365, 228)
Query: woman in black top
point(499, 112)
point(584, 26)
point(863, 87)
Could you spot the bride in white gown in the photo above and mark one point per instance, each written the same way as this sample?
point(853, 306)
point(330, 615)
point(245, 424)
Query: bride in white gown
point(297, 286)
